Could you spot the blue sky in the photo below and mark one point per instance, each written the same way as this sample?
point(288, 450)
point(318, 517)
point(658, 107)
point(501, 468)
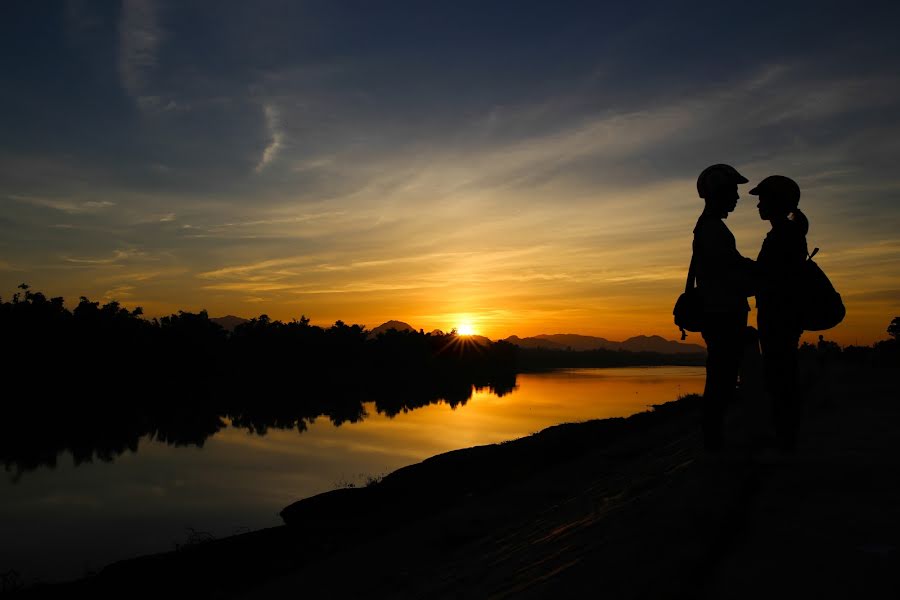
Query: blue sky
point(528, 167)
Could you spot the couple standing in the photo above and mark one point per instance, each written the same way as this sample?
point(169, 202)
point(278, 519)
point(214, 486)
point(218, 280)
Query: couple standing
point(726, 279)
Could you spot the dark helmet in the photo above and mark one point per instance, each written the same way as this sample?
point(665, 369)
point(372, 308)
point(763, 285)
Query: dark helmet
point(783, 189)
point(717, 175)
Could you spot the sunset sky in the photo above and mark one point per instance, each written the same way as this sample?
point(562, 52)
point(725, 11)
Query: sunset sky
point(525, 167)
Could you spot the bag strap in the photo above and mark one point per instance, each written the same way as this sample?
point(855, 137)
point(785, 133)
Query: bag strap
point(691, 276)
point(688, 286)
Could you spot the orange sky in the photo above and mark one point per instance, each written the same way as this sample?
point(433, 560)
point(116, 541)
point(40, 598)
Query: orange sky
point(609, 264)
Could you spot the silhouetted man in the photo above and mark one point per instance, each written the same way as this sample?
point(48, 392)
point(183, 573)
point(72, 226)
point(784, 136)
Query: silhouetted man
point(724, 279)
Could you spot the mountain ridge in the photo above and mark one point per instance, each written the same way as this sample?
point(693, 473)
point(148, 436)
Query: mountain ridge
point(548, 341)
point(582, 343)
point(229, 322)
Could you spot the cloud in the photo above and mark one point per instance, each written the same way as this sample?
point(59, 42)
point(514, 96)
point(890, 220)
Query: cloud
point(287, 220)
point(889, 296)
point(594, 151)
point(256, 286)
point(276, 137)
point(65, 205)
point(249, 270)
point(82, 19)
point(142, 276)
point(119, 292)
point(118, 256)
point(139, 39)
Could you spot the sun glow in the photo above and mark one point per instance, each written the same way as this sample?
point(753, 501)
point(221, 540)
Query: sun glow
point(465, 329)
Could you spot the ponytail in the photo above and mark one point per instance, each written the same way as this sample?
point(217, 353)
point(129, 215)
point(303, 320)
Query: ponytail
point(800, 219)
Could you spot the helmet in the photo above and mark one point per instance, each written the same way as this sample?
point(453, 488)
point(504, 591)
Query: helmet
point(717, 175)
point(780, 187)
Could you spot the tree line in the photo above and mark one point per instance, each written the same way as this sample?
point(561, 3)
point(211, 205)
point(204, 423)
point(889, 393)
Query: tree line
point(96, 379)
point(884, 353)
point(98, 348)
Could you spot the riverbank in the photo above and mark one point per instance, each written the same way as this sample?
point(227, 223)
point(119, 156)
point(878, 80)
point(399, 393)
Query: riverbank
point(625, 507)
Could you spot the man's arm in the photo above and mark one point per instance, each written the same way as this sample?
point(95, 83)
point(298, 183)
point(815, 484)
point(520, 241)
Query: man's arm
point(721, 262)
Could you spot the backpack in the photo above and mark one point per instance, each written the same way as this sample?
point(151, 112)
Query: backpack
point(821, 306)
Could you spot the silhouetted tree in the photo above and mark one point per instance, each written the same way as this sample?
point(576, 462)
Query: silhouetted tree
point(894, 328)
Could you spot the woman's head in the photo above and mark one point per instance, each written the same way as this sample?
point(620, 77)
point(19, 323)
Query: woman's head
point(779, 196)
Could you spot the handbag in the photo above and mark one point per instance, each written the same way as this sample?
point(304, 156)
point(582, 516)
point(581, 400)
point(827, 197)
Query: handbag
point(689, 310)
point(821, 306)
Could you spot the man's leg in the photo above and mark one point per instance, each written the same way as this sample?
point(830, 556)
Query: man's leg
point(724, 338)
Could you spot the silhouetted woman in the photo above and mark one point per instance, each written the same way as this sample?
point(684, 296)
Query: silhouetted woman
point(780, 264)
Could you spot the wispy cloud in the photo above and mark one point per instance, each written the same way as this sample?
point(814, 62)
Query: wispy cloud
point(276, 137)
point(249, 270)
point(118, 256)
point(276, 220)
point(65, 205)
point(119, 293)
point(139, 39)
point(252, 286)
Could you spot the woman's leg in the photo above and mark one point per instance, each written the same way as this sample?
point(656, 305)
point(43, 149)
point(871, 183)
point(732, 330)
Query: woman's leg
point(780, 355)
point(724, 335)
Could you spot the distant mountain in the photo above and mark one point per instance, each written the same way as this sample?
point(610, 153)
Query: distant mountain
point(479, 339)
point(579, 342)
point(655, 343)
point(555, 341)
point(398, 325)
point(228, 322)
point(571, 341)
point(534, 342)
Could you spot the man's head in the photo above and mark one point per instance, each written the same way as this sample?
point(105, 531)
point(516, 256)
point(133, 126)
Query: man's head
point(717, 184)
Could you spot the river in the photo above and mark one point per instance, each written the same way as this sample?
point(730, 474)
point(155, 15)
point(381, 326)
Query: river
point(63, 522)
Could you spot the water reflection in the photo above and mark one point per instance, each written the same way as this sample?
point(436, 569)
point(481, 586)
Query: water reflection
point(33, 437)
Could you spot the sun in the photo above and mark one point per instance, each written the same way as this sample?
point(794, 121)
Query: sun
point(465, 329)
